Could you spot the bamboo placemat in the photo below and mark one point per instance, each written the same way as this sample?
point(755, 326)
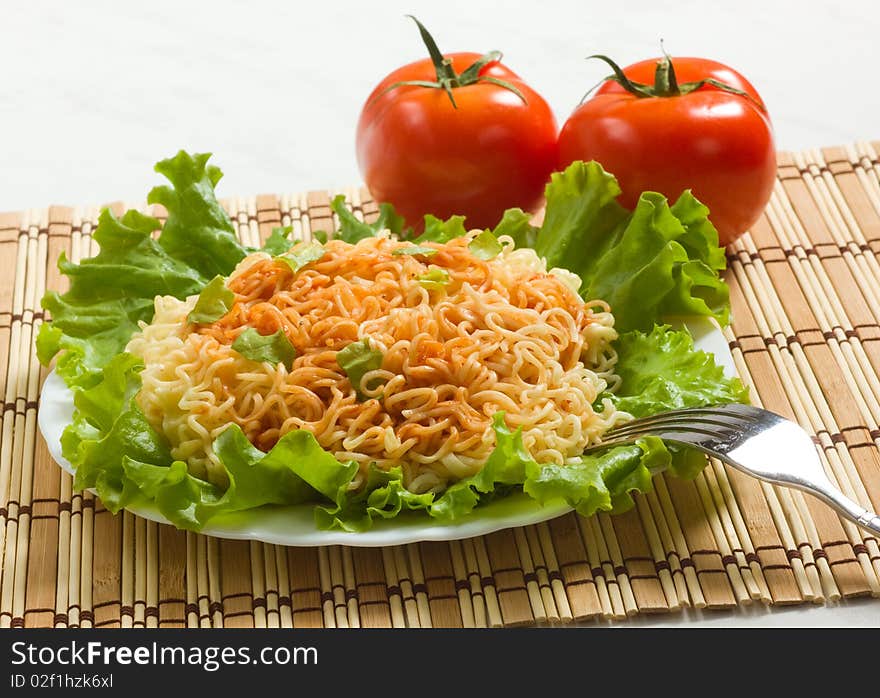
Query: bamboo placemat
point(805, 336)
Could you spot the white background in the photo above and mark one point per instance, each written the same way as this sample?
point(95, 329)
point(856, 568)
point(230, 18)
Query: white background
point(93, 93)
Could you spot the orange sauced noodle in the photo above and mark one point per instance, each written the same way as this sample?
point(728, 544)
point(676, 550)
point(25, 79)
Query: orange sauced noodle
point(497, 335)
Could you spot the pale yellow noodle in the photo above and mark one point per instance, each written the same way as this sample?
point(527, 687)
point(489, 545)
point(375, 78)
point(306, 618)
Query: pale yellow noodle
point(501, 335)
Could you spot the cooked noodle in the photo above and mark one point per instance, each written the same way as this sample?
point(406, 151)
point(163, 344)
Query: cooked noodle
point(501, 335)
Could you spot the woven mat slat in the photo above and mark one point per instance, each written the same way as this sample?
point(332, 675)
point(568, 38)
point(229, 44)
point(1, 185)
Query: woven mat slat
point(776, 552)
point(805, 290)
point(174, 601)
point(820, 526)
point(847, 412)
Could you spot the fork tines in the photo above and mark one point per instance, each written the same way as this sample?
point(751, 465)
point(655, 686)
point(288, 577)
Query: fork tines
point(703, 420)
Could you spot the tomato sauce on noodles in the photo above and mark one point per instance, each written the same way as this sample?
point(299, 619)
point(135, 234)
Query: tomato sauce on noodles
point(503, 334)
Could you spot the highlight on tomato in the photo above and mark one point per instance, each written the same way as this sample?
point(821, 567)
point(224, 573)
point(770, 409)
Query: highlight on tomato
point(697, 124)
point(456, 134)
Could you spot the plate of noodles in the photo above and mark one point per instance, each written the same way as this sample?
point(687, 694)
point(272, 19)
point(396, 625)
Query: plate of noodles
point(294, 525)
point(382, 385)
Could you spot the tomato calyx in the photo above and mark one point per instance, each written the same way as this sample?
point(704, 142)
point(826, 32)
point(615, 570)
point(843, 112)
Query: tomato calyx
point(665, 82)
point(447, 78)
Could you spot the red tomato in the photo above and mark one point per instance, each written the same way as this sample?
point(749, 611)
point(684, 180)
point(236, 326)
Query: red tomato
point(490, 151)
point(717, 143)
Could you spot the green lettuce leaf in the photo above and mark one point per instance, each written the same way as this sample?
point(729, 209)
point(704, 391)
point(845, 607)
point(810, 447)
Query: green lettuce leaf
point(602, 482)
point(434, 279)
point(440, 231)
point(660, 370)
point(357, 359)
point(485, 246)
point(272, 348)
point(517, 224)
point(302, 255)
point(278, 241)
point(383, 496)
point(294, 471)
point(198, 230)
point(115, 290)
point(213, 303)
point(278, 481)
point(108, 424)
point(109, 294)
point(180, 497)
point(352, 230)
point(415, 250)
point(648, 264)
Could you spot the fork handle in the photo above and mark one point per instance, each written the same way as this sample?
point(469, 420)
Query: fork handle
point(849, 509)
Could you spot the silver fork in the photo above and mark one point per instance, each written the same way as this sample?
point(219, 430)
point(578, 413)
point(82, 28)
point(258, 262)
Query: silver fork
point(755, 441)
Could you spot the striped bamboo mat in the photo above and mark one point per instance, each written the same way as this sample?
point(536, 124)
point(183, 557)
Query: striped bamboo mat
point(806, 337)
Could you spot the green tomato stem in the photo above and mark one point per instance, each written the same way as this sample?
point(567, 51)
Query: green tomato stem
point(447, 79)
point(665, 82)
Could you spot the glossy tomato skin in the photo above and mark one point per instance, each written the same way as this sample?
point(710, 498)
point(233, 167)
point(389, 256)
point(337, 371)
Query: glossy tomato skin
point(493, 152)
point(717, 144)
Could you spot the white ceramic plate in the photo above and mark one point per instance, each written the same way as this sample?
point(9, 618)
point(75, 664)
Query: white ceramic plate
point(294, 525)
